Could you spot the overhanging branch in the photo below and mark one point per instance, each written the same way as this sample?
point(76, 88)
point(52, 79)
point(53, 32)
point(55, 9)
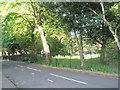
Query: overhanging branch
point(93, 11)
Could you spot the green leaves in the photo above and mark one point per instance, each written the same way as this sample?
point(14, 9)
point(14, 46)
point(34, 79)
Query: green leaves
point(57, 20)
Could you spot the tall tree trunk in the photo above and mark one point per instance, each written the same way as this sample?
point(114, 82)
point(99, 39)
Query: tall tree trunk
point(33, 55)
point(33, 43)
point(80, 48)
point(45, 45)
point(12, 53)
point(81, 51)
point(102, 54)
point(40, 29)
point(114, 33)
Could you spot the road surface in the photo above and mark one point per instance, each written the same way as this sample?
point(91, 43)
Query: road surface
point(24, 75)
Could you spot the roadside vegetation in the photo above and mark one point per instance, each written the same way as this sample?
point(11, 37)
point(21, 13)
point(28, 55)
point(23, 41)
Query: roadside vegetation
point(62, 34)
point(92, 62)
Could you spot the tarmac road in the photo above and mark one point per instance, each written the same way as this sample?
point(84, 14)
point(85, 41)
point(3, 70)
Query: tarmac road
point(24, 75)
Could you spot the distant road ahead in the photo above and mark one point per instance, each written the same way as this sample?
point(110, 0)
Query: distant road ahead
point(25, 75)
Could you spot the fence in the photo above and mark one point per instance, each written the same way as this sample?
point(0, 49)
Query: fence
point(92, 61)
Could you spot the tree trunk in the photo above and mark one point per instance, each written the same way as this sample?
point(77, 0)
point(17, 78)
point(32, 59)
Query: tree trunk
point(114, 34)
point(33, 56)
point(117, 40)
point(81, 51)
point(12, 53)
point(80, 48)
point(8, 55)
point(40, 29)
point(26, 52)
point(102, 54)
point(45, 45)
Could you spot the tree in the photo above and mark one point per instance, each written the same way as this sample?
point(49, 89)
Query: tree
point(35, 16)
point(46, 15)
point(12, 33)
point(71, 14)
point(17, 24)
point(113, 24)
point(31, 28)
point(38, 13)
point(56, 36)
point(114, 32)
point(96, 31)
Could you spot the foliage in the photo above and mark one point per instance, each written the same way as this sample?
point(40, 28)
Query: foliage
point(63, 24)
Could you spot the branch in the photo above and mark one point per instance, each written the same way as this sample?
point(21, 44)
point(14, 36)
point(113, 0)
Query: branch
point(27, 20)
point(97, 41)
point(103, 11)
point(105, 20)
point(92, 11)
point(26, 14)
point(116, 30)
point(34, 11)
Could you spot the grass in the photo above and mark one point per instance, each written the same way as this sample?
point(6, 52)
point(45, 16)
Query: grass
point(92, 64)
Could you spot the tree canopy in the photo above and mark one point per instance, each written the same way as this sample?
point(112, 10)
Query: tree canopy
point(58, 27)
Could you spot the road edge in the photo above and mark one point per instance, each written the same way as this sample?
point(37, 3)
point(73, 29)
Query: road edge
point(11, 81)
point(116, 76)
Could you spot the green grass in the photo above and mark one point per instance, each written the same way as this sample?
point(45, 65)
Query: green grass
point(91, 64)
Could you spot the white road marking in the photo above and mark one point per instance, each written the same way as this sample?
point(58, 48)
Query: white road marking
point(19, 65)
point(67, 78)
point(33, 73)
point(33, 69)
point(50, 80)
